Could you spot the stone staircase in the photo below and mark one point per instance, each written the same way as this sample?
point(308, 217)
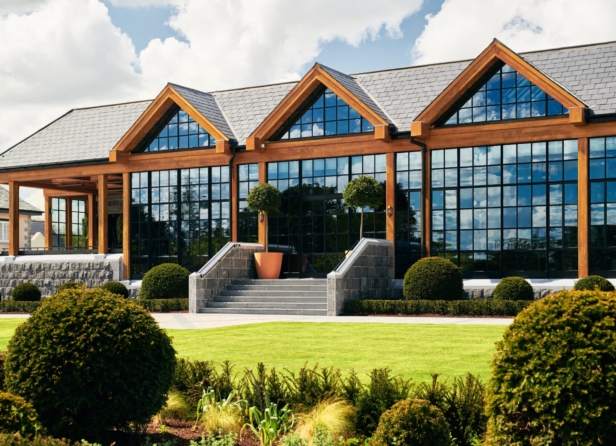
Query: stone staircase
point(306, 297)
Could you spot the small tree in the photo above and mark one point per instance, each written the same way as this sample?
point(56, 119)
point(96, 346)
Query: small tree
point(362, 192)
point(264, 199)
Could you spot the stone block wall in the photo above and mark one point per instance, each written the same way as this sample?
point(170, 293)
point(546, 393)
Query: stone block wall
point(234, 261)
point(367, 273)
point(49, 272)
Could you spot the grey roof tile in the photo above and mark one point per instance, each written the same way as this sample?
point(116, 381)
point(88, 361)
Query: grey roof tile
point(23, 204)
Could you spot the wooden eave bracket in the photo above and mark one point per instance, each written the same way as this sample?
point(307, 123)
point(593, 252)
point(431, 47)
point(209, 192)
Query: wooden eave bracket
point(253, 144)
point(577, 116)
point(223, 146)
point(420, 129)
point(116, 156)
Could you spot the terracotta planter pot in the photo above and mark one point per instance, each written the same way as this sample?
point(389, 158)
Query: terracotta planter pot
point(268, 264)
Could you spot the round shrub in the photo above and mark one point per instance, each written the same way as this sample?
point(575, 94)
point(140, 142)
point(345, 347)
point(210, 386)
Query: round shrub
point(513, 288)
point(412, 423)
point(166, 281)
point(116, 288)
point(433, 278)
point(89, 361)
point(26, 292)
point(71, 286)
point(17, 416)
point(553, 378)
point(591, 282)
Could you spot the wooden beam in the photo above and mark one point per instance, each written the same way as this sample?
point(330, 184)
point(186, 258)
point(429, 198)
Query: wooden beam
point(69, 223)
point(126, 202)
point(14, 218)
point(390, 197)
point(262, 180)
point(91, 222)
point(48, 228)
point(103, 205)
point(419, 129)
point(583, 208)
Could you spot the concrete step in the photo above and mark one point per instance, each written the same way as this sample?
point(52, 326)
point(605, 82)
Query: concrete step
point(278, 305)
point(273, 311)
point(282, 282)
point(272, 293)
point(281, 299)
point(233, 286)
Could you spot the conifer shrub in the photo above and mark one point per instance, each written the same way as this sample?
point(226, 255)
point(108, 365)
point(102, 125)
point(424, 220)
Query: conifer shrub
point(433, 278)
point(26, 292)
point(553, 378)
point(17, 416)
point(2, 360)
point(116, 288)
point(165, 281)
point(71, 286)
point(412, 423)
point(89, 361)
point(513, 288)
point(591, 282)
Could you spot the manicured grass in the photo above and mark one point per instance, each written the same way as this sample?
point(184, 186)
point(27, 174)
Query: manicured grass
point(413, 351)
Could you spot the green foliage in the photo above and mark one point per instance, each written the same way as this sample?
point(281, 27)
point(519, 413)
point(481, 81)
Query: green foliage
point(116, 288)
point(120, 229)
point(222, 415)
point(12, 306)
point(513, 288)
point(219, 439)
point(262, 387)
point(553, 376)
point(471, 307)
point(176, 408)
point(412, 423)
point(382, 393)
point(163, 305)
point(433, 278)
point(166, 281)
point(89, 361)
point(312, 385)
point(462, 404)
point(26, 292)
point(270, 424)
point(18, 440)
point(362, 192)
point(71, 286)
point(264, 198)
point(17, 416)
point(2, 360)
point(84, 230)
point(592, 282)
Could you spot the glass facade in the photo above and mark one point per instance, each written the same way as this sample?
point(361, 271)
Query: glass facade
point(602, 174)
point(504, 210)
point(58, 222)
point(248, 224)
point(78, 211)
point(179, 216)
point(327, 115)
point(314, 227)
point(506, 95)
point(181, 132)
point(408, 210)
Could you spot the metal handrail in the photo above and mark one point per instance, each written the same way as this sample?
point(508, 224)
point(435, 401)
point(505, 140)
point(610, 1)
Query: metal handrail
point(345, 256)
point(217, 261)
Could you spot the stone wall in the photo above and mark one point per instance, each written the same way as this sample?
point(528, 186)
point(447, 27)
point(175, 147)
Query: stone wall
point(48, 272)
point(233, 262)
point(367, 273)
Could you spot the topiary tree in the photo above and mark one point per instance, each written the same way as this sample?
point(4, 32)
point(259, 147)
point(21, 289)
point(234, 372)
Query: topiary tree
point(553, 379)
point(165, 281)
point(513, 288)
point(90, 361)
point(412, 423)
point(265, 199)
point(433, 278)
point(17, 416)
point(26, 292)
point(362, 192)
point(116, 288)
point(591, 282)
point(71, 286)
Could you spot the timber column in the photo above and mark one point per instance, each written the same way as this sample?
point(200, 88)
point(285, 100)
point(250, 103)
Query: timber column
point(126, 201)
point(48, 227)
point(91, 221)
point(103, 205)
point(583, 208)
point(262, 180)
point(13, 218)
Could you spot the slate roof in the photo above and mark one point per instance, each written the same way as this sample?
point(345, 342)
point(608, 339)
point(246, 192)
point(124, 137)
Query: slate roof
point(398, 95)
point(23, 204)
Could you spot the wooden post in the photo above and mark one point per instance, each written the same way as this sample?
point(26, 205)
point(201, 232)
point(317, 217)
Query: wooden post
point(234, 202)
point(583, 208)
point(48, 227)
point(390, 197)
point(126, 202)
point(69, 223)
point(103, 204)
point(13, 218)
point(262, 179)
point(91, 222)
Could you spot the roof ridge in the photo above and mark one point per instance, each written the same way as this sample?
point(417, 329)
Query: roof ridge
point(191, 89)
point(112, 105)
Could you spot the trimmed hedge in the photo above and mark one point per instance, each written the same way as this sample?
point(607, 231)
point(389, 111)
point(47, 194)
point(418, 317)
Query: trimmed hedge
point(15, 306)
point(71, 286)
point(26, 292)
point(514, 288)
point(116, 288)
point(163, 305)
point(165, 281)
point(591, 282)
point(433, 278)
point(471, 307)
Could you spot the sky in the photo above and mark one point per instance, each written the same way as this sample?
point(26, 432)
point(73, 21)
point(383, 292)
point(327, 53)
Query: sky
point(57, 55)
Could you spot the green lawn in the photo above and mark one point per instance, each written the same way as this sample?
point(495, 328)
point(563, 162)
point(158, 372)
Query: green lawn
point(411, 350)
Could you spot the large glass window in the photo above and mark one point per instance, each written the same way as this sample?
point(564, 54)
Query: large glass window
point(602, 172)
point(408, 210)
point(58, 222)
point(505, 95)
point(503, 210)
point(178, 216)
point(181, 132)
point(324, 115)
point(79, 224)
point(247, 225)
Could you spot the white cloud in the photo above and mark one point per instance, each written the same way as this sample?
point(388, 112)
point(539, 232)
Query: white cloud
point(463, 28)
point(142, 3)
point(19, 6)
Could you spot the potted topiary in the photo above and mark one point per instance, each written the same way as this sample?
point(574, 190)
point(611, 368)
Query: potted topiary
point(362, 192)
point(265, 199)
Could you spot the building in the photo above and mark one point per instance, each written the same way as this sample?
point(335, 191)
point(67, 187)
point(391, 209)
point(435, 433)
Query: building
point(25, 214)
point(505, 164)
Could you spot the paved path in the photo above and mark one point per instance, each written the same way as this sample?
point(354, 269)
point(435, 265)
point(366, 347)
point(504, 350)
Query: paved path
point(192, 321)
